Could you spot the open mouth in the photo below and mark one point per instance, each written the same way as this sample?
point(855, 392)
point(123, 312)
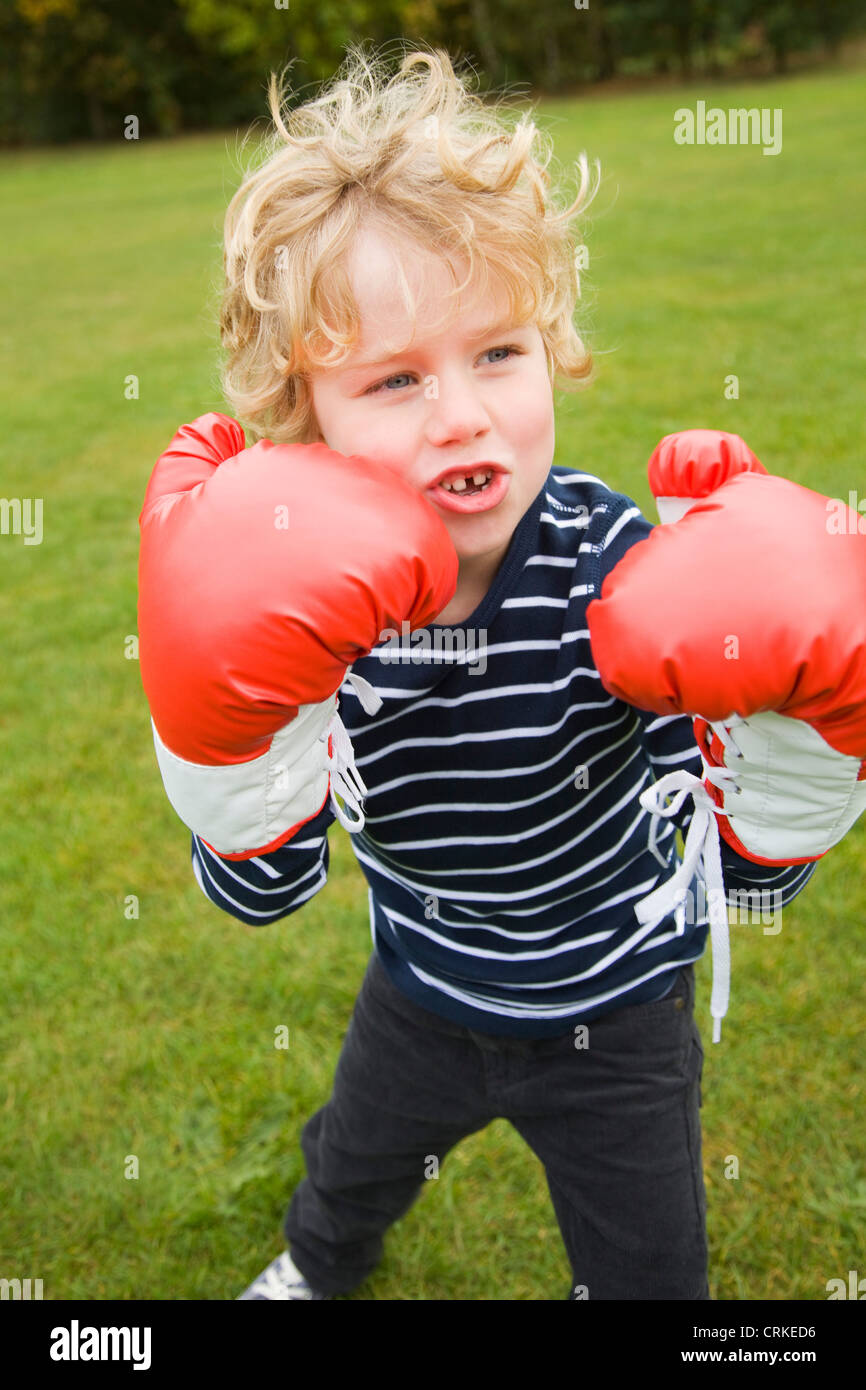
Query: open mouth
point(478, 490)
point(470, 483)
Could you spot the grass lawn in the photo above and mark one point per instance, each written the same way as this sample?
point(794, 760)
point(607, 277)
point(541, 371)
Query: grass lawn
point(139, 1020)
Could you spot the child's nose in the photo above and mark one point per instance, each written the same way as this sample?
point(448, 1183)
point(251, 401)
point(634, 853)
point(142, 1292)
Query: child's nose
point(456, 409)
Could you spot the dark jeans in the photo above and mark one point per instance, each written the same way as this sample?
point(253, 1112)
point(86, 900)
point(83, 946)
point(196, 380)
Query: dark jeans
point(615, 1124)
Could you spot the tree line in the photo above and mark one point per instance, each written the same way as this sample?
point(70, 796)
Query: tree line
point(72, 70)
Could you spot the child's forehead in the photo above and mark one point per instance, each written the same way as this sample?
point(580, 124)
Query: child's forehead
point(398, 282)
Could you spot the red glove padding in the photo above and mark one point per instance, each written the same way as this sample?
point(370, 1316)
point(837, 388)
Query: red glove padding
point(264, 573)
point(687, 466)
point(748, 603)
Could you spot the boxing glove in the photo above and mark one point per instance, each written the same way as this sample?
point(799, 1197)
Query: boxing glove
point(264, 574)
point(749, 614)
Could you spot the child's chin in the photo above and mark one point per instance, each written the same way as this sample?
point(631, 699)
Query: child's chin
point(488, 541)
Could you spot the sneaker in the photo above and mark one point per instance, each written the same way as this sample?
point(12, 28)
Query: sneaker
point(281, 1280)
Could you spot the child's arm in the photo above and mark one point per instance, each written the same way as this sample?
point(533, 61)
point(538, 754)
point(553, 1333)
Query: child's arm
point(264, 574)
point(266, 888)
point(749, 612)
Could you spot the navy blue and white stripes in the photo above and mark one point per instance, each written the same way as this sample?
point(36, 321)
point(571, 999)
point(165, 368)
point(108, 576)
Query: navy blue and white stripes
point(505, 846)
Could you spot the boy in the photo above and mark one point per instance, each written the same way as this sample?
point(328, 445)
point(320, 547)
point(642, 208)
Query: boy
point(401, 289)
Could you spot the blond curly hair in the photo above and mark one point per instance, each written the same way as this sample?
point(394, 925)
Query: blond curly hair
point(423, 156)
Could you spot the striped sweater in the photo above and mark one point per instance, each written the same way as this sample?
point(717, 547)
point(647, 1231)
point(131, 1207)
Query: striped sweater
point(505, 847)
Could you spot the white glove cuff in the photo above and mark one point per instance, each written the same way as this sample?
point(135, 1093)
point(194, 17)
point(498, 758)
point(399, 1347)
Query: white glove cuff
point(793, 796)
point(242, 808)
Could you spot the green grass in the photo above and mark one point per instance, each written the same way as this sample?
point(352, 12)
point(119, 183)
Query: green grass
point(153, 1036)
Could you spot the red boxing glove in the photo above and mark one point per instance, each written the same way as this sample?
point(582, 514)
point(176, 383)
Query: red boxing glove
point(749, 605)
point(750, 614)
point(264, 574)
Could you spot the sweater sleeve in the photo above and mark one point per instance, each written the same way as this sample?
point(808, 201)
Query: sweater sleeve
point(269, 886)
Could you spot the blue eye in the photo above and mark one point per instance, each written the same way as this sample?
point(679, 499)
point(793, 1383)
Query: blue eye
point(398, 376)
point(387, 382)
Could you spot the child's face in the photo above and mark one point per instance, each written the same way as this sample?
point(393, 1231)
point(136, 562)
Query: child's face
point(451, 404)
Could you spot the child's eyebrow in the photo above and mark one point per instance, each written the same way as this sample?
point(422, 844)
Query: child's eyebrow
point(499, 327)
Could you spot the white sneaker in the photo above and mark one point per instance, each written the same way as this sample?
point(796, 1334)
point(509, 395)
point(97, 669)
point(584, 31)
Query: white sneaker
point(281, 1280)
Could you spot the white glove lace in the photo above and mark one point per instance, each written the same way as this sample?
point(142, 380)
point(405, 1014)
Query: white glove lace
point(725, 777)
point(701, 844)
point(345, 777)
